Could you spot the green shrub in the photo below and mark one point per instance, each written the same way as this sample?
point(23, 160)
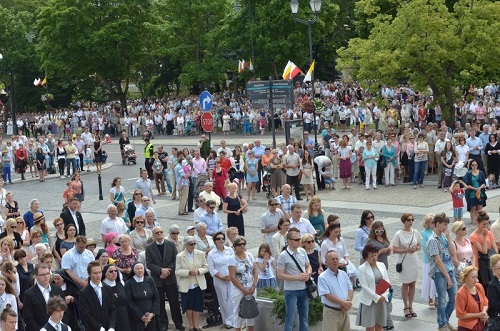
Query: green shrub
point(315, 306)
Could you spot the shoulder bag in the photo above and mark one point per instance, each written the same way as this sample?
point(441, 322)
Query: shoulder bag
point(399, 266)
point(310, 284)
point(244, 210)
point(248, 307)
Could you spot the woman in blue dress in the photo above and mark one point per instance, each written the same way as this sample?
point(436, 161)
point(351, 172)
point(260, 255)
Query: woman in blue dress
point(252, 175)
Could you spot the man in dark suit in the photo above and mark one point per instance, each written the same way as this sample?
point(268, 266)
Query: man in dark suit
point(97, 303)
point(36, 298)
point(73, 216)
point(160, 260)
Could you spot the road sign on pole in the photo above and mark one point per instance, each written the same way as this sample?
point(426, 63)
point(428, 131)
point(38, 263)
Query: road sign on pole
point(207, 122)
point(206, 100)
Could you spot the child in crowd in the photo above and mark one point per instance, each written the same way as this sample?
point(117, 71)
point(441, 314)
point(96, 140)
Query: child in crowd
point(328, 177)
point(489, 182)
point(184, 174)
point(87, 158)
point(56, 306)
point(110, 244)
point(266, 265)
point(457, 197)
point(361, 165)
point(6, 162)
point(332, 219)
point(68, 192)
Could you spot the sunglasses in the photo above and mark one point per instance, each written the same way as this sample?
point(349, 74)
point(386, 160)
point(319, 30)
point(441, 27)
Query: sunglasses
point(22, 223)
point(139, 222)
point(220, 238)
point(240, 244)
point(159, 232)
point(463, 229)
point(13, 226)
point(310, 242)
point(192, 244)
point(211, 207)
point(174, 232)
point(296, 240)
point(112, 271)
point(145, 200)
point(273, 204)
point(379, 231)
point(410, 220)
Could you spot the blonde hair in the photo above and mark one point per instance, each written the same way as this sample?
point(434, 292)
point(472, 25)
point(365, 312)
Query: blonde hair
point(457, 226)
point(305, 238)
point(314, 199)
point(465, 273)
point(428, 218)
point(231, 185)
point(494, 259)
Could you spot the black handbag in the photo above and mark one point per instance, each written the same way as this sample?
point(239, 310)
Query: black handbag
point(399, 266)
point(310, 284)
point(248, 307)
point(493, 324)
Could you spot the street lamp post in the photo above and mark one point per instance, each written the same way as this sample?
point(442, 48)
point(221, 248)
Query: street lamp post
point(316, 9)
point(11, 98)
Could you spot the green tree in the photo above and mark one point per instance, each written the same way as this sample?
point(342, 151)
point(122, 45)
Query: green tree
point(104, 39)
point(428, 44)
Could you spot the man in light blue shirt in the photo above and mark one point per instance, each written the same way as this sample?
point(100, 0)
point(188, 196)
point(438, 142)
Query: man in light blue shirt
point(335, 290)
point(211, 219)
point(485, 139)
point(76, 260)
point(258, 151)
point(475, 148)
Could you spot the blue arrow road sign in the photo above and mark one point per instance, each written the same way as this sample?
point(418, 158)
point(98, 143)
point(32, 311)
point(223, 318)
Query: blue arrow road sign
point(206, 100)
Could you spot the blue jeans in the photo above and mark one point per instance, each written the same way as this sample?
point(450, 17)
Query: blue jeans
point(444, 308)
point(6, 176)
point(418, 174)
point(293, 300)
point(167, 178)
point(70, 163)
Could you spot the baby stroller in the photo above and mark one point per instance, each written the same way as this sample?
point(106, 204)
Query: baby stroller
point(188, 128)
point(129, 155)
point(147, 134)
point(104, 156)
point(200, 184)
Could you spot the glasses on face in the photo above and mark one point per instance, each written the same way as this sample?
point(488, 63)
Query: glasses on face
point(13, 226)
point(273, 204)
point(139, 222)
point(19, 222)
point(211, 207)
point(409, 220)
point(191, 244)
point(379, 231)
point(174, 232)
point(112, 271)
point(58, 224)
point(220, 238)
point(306, 134)
point(145, 200)
point(463, 229)
point(310, 242)
point(296, 240)
point(159, 232)
point(240, 244)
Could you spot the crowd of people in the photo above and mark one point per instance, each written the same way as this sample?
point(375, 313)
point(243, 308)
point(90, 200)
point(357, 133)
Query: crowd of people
point(55, 279)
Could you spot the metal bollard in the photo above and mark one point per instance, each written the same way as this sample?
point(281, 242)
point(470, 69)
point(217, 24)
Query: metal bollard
point(99, 182)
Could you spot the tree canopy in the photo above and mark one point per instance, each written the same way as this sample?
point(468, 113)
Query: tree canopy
point(428, 44)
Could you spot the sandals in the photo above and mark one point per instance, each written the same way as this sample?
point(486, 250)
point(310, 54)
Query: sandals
point(413, 314)
point(409, 314)
point(432, 306)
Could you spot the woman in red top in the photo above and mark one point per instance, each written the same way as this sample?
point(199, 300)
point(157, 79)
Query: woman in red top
point(221, 179)
point(21, 160)
point(422, 115)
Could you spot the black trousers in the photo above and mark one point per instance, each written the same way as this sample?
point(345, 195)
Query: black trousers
point(320, 181)
point(259, 175)
point(494, 166)
point(80, 156)
point(172, 295)
point(293, 181)
point(148, 165)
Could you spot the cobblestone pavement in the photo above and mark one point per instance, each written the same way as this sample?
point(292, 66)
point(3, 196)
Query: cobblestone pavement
point(387, 203)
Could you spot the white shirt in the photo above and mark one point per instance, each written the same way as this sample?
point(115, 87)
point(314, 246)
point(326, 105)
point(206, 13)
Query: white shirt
point(113, 225)
point(45, 292)
point(303, 225)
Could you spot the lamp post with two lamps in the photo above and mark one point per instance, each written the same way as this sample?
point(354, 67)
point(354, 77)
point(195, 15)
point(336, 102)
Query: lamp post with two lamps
point(316, 9)
point(11, 97)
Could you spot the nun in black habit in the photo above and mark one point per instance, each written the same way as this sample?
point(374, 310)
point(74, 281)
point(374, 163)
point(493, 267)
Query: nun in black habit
point(143, 300)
